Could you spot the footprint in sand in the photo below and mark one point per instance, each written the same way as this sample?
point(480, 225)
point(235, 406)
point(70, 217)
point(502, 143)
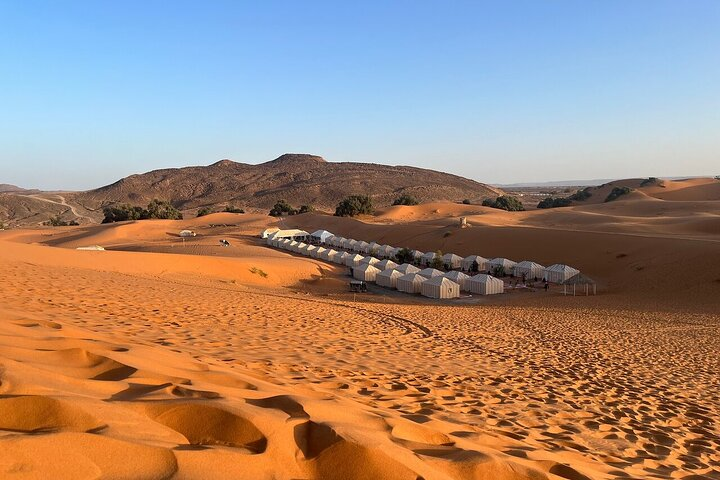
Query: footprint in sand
point(202, 424)
point(35, 413)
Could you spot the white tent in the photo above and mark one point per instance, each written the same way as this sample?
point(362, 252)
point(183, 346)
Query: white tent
point(361, 246)
point(459, 278)
point(451, 261)
point(268, 231)
point(440, 287)
point(530, 269)
point(353, 260)
point(373, 248)
point(388, 278)
point(406, 268)
point(365, 272)
point(468, 262)
point(300, 247)
point(417, 255)
point(385, 264)
point(187, 233)
point(308, 250)
point(283, 243)
point(338, 241)
point(293, 234)
point(508, 265)
point(349, 244)
point(558, 273)
point(430, 273)
point(370, 260)
point(328, 254)
point(317, 253)
point(292, 246)
point(410, 283)
point(427, 258)
point(341, 257)
point(486, 285)
point(320, 236)
point(96, 248)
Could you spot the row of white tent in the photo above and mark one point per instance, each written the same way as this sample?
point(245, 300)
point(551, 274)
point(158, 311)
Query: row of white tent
point(405, 278)
point(325, 240)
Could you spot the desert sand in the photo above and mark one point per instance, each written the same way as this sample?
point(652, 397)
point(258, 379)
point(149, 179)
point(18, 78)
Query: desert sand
point(159, 358)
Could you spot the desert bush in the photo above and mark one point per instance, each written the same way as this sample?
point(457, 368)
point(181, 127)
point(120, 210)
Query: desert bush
point(617, 192)
point(652, 181)
point(354, 205)
point(447, 234)
point(164, 210)
point(56, 221)
point(282, 208)
point(204, 211)
point(306, 209)
point(437, 262)
point(405, 255)
point(406, 199)
point(504, 202)
point(581, 195)
point(231, 209)
point(550, 202)
point(257, 271)
point(466, 201)
point(498, 271)
point(160, 209)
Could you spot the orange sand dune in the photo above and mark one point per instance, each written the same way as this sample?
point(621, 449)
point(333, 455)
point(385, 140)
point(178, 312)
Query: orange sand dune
point(159, 358)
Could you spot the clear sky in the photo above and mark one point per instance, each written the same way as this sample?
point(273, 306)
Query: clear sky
point(501, 91)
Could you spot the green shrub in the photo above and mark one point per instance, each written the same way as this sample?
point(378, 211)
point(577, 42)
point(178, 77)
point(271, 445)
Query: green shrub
point(406, 200)
point(231, 209)
point(354, 205)
point(652, 181)
point(437, 262)
point(617, 192)
point(159, 209)
point(306, 209)
point(282, 208)
point(204, 211)
point(56, 221)
point(581, 195)
point(504, 202)
point(466, 201)
point(405, 255)
point(550, 202)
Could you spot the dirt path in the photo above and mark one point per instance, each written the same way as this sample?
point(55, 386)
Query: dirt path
point(64, 204)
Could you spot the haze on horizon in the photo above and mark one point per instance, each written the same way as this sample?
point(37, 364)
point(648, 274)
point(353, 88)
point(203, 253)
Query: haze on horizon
point(501, 93)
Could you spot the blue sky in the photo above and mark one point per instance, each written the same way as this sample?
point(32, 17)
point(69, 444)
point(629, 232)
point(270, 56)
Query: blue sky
point(500, 92)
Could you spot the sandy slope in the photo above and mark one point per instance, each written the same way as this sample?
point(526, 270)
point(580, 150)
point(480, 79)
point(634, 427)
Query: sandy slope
point(149, 363)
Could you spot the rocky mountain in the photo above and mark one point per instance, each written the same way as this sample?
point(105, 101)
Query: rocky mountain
point(297, 178)
point(300, 179)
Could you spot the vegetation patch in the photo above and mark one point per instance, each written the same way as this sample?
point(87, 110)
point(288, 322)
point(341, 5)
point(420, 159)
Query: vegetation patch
point(56, 221)
point(652, 181)
point(204, 211)
point(466, 201)
point(581, 195)
point(550, 202)
point(617, 192)
point(354, 205)
point(406, 200)
point(231, 209)
point(159, 209)
point(504, 202)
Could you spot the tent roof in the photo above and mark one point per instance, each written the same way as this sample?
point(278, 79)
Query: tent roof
point(528, 264)
point(451, 256)
point(390, 272)
point(413, 276)
point(320, 233)
point(430, 271)
point(455, 275)
point(473, 257)
point(364, 267)
point(440, 281)
point(579, 279)
point(483, 278)
point(559, 267)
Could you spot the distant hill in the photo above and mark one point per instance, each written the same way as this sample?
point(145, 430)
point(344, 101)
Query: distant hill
point(7, 188)
point(297, 178)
